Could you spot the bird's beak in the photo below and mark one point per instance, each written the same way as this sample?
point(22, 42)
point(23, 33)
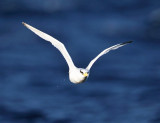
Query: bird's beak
point(85, 74)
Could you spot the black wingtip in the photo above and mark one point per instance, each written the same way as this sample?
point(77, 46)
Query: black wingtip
point(126, 42)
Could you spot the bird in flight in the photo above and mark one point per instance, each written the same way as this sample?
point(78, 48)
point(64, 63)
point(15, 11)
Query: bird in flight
point(76, 75)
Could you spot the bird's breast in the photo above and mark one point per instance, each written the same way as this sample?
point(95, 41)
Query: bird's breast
point(76, 77)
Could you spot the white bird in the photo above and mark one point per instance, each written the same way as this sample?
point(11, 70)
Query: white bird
point(76, 75)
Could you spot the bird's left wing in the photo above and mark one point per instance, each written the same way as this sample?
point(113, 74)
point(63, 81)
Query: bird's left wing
point(106, 51)
point(60, 46)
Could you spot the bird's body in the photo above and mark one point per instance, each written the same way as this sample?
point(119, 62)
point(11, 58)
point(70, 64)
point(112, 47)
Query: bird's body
point(76, 75)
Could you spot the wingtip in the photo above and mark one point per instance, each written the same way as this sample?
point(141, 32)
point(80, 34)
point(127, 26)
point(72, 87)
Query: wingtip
point(126, 42)
point(24, 23)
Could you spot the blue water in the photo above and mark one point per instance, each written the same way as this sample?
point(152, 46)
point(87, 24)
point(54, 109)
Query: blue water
point(124, 85)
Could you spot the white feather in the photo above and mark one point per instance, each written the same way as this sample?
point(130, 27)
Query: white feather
point(106, 51)
point(55, 43)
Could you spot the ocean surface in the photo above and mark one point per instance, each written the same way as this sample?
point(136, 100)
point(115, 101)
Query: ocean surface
point(123, 86)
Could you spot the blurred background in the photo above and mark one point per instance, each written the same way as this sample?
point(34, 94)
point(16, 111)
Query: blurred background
point(124, 85)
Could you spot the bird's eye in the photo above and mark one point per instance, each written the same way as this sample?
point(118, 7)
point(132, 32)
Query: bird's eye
point(81, 71)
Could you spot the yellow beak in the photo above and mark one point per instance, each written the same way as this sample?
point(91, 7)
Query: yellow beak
point(85, 74)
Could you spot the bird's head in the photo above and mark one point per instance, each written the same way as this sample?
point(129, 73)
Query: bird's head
point(84, 72)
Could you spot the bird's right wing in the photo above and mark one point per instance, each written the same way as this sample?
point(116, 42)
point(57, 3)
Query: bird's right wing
point(106, 51)
point(54, 42)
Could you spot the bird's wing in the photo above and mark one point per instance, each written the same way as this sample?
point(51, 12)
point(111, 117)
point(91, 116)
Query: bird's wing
point(60, 46)
point(106, 51)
